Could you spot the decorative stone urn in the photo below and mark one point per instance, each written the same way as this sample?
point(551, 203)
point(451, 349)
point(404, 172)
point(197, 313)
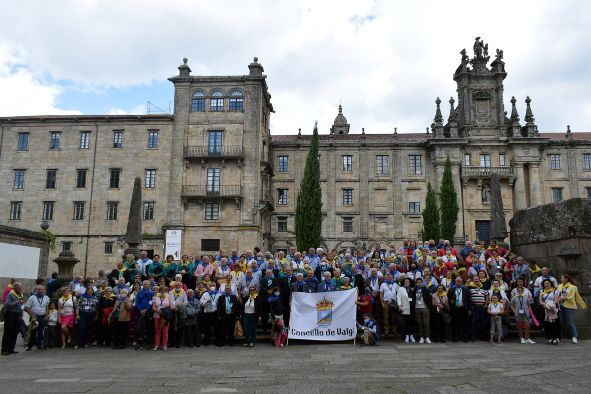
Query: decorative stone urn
point(66, 262)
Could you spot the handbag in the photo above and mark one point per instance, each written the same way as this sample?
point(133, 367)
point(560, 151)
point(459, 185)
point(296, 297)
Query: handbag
point(166, 313)
point(238, 331)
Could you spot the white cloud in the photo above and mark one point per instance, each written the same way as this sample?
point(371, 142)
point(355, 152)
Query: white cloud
point(137, 110)
point(385, 61)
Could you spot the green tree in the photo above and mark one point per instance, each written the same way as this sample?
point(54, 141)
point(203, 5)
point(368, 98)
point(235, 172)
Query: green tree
point(448, 203)
point(308, 218)
point(430, 216)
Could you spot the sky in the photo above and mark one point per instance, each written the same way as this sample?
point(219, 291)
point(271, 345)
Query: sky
point(385, 61)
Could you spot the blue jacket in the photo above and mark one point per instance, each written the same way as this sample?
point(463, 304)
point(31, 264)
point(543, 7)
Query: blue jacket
point(143, 298)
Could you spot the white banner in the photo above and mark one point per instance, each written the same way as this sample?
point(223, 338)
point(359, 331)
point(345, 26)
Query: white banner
point(323, 316)
point(173, 243)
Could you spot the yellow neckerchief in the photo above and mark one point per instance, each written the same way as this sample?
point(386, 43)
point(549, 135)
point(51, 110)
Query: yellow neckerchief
point(538, 269)
point(441, 294)
point(461, 269)
point(201, 291)
point(65, 299)
point(252, 297)
point(473, 284)
point(344, 287)
point(166, 263)
point(162, 296)
point(206, 283)
point(18, 296)
point(178, 293)
point(111, 297)
point(121, 269)
point(550, 290)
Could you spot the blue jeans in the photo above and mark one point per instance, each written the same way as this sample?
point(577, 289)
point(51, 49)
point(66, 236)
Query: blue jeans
point(568, 317)
point(84, 326)
point(40, 330)
point(250, 327)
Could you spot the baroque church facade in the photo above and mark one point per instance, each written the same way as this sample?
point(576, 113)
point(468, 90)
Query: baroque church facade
point(214, 171)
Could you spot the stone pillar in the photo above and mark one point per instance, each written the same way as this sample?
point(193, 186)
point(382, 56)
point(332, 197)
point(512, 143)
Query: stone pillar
point(455, 173)
point(519, 197)
point(535, 183)
point(363, 192)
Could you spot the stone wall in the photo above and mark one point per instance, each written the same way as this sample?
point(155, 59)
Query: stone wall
point(558, 235)
point(17, 236)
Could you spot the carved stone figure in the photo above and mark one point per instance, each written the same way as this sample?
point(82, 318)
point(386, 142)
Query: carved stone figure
point(498, 64)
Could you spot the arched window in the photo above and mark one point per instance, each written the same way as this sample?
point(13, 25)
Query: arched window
point(198, 101)
point(236, 100)
point(216, 102)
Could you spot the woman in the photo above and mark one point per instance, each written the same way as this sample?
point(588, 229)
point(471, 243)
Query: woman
point(440, 313)
point(105, 307)
point(66, 308)
point(421, 304)
point(549, 302)
point(120, 316)
point(252, 311)
point(403, 297)
point(133, 312)
point(85, 315)
point(569, 298)
point(449, 279)
point(161, 305)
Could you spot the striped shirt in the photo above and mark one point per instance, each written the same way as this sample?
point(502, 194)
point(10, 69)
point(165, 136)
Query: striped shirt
point(477, 296)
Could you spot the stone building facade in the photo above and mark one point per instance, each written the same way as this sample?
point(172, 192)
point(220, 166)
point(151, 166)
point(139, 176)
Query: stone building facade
point(213, 169)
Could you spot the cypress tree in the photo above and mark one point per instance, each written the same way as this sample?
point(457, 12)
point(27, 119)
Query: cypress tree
point(430, 216)
point(308, 218)
point(448, 199)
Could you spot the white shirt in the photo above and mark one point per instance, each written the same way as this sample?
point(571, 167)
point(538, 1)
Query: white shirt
point(495, 309)
point(403, 301)
point(388, 291)
point(208, 303)
point(249, 306)
point(38, 304)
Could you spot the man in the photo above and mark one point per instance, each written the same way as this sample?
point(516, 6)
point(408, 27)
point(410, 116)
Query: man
point(374, 281)
point(502, 252)
point(285, 282)
point(204, 269)
point(75, 283)
point(36, 307)
point(321, 268)
point(326, 286)
point(131, 268)
point(179, 299)
point(540, 280)
point(120, 286)
point(478, 300)
point(53, 284)
point(357, 279)
point(388, 291)
point(227, 311)
point(267, 284)
point(338, 280)
point(314, 257)
point(156, 268)
point(299, 286)
point(460, 307)
point(143, 262)
point(466, 250)
point(118, 272)
point(234, 258)
point(520, 270)
point(191, 323)
point(209, 302)
point(143, 306)
point(312, 281)
point(13, 313)
point(292, 254)
point(245, 283)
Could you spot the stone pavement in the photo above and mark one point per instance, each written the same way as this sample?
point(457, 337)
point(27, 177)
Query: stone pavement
point(305, 367)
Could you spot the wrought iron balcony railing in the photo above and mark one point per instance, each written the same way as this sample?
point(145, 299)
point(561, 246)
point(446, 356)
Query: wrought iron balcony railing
point(485, 172)
point(216, 191)
point(222, 152)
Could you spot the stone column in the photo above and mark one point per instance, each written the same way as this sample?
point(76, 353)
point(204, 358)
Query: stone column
point(455, 173)
point(535, 183)
point(519, 197)
point(363, 192)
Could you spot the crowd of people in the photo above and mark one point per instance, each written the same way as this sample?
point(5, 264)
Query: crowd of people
point(413, 291)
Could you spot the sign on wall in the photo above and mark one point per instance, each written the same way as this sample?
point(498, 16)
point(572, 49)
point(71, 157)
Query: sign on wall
point(19, 261)
point(323, 316)
point(173, 243)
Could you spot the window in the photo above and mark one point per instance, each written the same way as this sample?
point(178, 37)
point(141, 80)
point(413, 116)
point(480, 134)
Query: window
point(415, 165)
point(112, 210)
point(283, 163)
point(114, 178)
point(236, 100)
point(210, 245)
point(414, 207)
point(19, 180)
point(150, 179)
point(347, 163)
point(485, 160)
point(556, 194)
point(152, 139)
point(467, 159)
point(54, 140)
point(382, 165)
point(588, 190)
point(281, 223)
point(213, 181)
point(212, 211)
point(16, 208)
point(587, 161)
point(66, 245)
point(198, 101)
point(282, 199)
point(23, 142)
point(347, 224)
point(81, 178)
point(108, 247)
point(48, 210)
point(148, 210)
point(216, 102)
point(117, 139)
point(502, 160)
point(555, 162)
point(214, 142)
point(78, 210)
point(347, 196)
point(84, 139)
point(50, 179)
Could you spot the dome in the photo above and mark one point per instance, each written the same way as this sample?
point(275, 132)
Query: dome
point(340, 120)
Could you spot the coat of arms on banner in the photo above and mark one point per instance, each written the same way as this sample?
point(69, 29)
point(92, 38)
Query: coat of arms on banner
point(324, 312)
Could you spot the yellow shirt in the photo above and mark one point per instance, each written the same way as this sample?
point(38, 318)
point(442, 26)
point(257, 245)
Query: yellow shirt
point(571, 296)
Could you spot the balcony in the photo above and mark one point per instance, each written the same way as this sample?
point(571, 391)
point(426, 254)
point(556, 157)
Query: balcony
point(485, 172)
point(203, 192)
point(223, 152)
